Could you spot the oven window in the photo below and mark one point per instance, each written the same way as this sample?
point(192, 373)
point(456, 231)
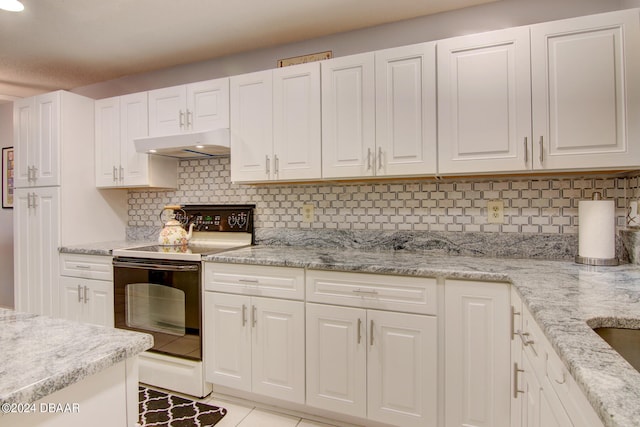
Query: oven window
point(155, 308)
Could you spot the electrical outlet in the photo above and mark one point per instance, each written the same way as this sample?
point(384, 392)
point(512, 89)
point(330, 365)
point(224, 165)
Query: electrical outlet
point(495, 211)
point(307, 213)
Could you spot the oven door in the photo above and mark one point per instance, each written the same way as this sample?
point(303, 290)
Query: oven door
point(161, 298)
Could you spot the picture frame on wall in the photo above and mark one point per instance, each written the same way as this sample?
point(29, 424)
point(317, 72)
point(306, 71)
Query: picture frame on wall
point(7, 177)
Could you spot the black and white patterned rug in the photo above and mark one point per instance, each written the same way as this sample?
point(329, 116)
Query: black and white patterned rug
point(159, 409)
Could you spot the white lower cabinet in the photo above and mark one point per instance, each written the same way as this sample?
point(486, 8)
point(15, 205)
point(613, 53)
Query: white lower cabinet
point(86, 289)
point(543, 392)
point(254, 344)
point(371, 363)
point(477, 354)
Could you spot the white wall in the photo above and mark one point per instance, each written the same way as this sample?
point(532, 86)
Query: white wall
point(501, 14)
point(6, 217)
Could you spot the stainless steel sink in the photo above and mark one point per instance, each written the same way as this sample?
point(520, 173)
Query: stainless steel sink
point(624, 341)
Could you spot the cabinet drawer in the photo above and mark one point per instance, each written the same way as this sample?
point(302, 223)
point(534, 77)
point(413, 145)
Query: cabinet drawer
point(567, 390)
point(86, 266)
point(532, 339)
point(267, 281)
point(386, 292)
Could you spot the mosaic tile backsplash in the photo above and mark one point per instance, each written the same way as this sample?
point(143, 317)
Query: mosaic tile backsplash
point(531, 204)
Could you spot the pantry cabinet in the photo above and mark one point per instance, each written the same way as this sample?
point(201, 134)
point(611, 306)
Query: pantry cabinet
point(367, 362)
point(275, 124)
point(552, 96)
point(37, 128)
point(36, 227)
point(86, 289)
point(255, 344)
point(193, 107)
point(118, 121)
point(477, 353)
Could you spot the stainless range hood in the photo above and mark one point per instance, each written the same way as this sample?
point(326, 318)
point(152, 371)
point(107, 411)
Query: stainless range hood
point(187, 145)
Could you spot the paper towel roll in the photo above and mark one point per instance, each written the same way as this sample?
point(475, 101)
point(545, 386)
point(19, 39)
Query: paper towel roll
point(596, 229)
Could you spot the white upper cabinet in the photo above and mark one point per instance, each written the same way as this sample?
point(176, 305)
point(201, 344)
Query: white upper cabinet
point(37, 140)
point(586, 92)
point(118, 121)
point(275, 124)
point(251, 126)
point(197, 106)
point(296, 122)
point(406, 110)
point(555, 96)
point(348, 116)
point(484, 102)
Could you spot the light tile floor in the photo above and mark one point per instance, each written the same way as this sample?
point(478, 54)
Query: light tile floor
point(239, 415)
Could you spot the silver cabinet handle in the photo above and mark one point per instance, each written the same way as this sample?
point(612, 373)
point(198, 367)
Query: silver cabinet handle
point(86, 294)
point(115, 174)
point(267, 163)
point(189, 119)
point(83, 267)
point(121, 173)
point(181, 119)
point(526, 150)
point(371, 333)
point(251, 281)
point(244, 315)
point(371, 292)
point(34, 170)
point(514, 313)
point(276, 164)
point(359, 330)
point(379, 158)
point(28, 200)
point(29, 173)
point(254, 316)
point(516, 389)
point(564, 379)
point(368, 158)
point(526, 341)
point(79, 293)
point(541, 143)
point(33, 203)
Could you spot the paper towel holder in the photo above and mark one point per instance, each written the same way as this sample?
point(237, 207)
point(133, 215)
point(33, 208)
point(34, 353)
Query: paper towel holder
point(596, 261)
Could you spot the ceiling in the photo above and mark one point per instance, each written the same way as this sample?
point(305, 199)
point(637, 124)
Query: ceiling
point(64, 44)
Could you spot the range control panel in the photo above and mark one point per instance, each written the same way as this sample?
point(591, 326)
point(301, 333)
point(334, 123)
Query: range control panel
point(234, 218)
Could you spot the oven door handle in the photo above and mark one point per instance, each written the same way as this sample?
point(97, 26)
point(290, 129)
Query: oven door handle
point(162, 267)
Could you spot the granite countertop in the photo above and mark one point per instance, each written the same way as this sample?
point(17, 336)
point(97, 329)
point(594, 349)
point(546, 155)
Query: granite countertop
point(565, 299)
point(40, 355)
point(101, 248)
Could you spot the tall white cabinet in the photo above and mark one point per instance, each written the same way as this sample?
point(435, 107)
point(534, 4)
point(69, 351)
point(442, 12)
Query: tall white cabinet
point(56, 201)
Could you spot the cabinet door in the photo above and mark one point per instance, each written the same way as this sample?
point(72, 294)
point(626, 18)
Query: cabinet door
point(278, 348)
point(208, 105)
point(251, 123)
point(406, 110)
point(586, 95)
point(296, 122)
point(98, 302)
point(37, 238)
point(517, 397)
point(107, 144)
point(134, 119)
point(71, 299)
point(348, 116)
point(477, 351)
point(337, 359)
point(484, 102)
point(402, 369)
point(167, 111)
point(227, 343)
point(24, 140)
point(47, 154)
point(531, 395)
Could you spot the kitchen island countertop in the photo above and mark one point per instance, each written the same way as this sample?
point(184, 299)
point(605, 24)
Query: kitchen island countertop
point(40, 355)
point(565, 298)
